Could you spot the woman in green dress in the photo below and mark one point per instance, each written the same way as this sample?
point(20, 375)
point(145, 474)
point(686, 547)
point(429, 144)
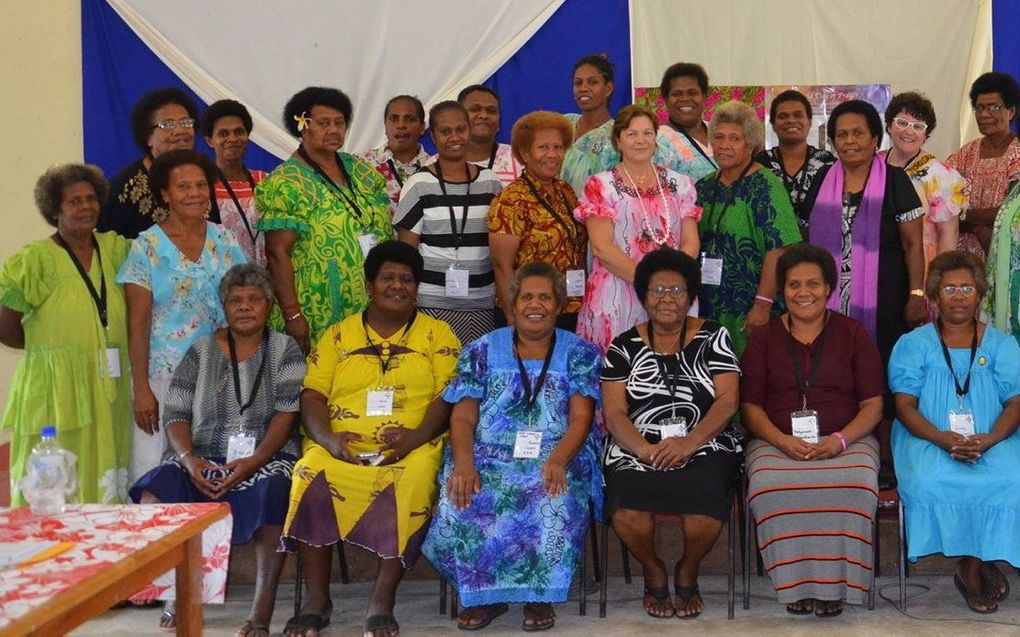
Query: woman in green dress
point(322, 211)
point(75, 379)
point(592, 151)
point(1001, 305)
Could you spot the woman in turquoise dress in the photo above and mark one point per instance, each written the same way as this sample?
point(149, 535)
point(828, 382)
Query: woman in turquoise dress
point(1001, 306)
point(521, 475)
point(956, 384)
point(592, 151)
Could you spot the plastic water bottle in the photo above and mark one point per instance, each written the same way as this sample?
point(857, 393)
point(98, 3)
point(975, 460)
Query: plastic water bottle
point(50, 479)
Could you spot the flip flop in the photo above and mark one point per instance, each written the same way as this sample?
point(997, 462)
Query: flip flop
point(801, 607)
point(827, 609)
point(995, 581)
point(379, 622)
point(484, 613)
point(974, 600)
point(306, 621)
point(687, 595)
point(542, 617)
point(661, 599)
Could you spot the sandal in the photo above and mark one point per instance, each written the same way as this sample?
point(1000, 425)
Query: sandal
point(306, 622)
point(381, 622)
point(249, 627)
point(688, 595)
point(167, 620)
point(976, 602)
point(995, 582)
point(801, 607)
point(826, 609)
point(661, 606)
point(538, 617)
point(481, 615)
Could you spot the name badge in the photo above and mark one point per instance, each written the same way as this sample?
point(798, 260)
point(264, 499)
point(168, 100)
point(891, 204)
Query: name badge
point(804, 425)
point(711, 270)
point(961, 422)
point(456, 282)
point(240, 446)
point(380, 402)
point(575, 282)
point(112, 362)
point(528, 444)
point(367, 241)
point(673, 427)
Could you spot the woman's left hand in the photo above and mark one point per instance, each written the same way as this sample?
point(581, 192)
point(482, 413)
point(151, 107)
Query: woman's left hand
point(239, 471)
point(400, 441)
point(757, 315)
point(914, 312)
point(672, 452)
point(828, 447)
point(554, 477)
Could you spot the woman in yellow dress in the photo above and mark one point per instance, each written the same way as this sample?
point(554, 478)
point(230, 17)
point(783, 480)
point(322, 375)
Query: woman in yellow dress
point(375, 424)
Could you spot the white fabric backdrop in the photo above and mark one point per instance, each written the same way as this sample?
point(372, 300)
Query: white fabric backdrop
point(936, 46)
point(263, 51)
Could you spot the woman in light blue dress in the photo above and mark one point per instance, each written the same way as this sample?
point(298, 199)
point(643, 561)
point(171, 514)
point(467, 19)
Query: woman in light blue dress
point(956, 384)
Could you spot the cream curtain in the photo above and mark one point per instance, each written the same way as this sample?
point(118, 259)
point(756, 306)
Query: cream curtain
point(935, 46)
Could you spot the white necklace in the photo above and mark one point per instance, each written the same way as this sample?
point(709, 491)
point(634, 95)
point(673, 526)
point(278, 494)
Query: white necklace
point(647, 232)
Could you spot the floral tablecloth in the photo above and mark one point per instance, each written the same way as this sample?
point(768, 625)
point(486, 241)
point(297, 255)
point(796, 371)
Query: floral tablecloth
point(104, 534)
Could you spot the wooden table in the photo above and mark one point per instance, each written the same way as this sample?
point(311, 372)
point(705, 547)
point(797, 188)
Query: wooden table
point(110, 561)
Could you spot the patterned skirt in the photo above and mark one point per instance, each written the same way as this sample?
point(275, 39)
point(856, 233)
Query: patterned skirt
point(468, 325)
point(815, 520)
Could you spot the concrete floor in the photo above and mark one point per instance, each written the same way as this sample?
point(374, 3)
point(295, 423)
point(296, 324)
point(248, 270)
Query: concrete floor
point(933, 613)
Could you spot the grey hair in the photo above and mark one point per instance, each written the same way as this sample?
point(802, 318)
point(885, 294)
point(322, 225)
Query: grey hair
point(539, 269)
point(954, 260)
point(734, 112)
point(49, 189)
point(245, 275)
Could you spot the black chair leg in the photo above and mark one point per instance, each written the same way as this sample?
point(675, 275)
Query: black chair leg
point(875, 558)
point(596, 567)
point(582, 585)
point(625, 555)
point(342, 557)
point(749, 550)
point(903, 560)
point(454, 603)
point(442, 595)
point(731, 586)
point(603, 581)
point(299, 580)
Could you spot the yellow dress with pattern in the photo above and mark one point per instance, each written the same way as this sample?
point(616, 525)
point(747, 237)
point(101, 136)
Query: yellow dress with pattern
point(385, 509)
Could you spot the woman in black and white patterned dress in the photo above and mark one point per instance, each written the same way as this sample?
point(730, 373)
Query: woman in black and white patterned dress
point(669, 389)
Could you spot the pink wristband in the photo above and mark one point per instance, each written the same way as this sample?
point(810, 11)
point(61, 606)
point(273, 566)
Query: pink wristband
point(841, 439)
point(763, 299)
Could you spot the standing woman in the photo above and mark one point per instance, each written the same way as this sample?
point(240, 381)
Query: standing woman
point(59, 303)
point(683, 143)
point(482, 106)
point(794, 161)
point(629, 211)
point(532, 218)
point(991, 162)
point(1001, 305)
point(592, 151)
point(747, 221)
point(171, 279)
point(322, 210)
point(442, 212)
point(402, 155)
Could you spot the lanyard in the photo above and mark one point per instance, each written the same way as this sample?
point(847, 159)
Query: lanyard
point(795, 185)
point(671, 381)
point(726, 204)
point(235, 368)
point(531, 396)
point(226, 183)
point(492, 157)
point(804, 383)
point(572, 231)
point(380, 352)
point(335, 187)
point(693, 142)
point(100, 297)
point(396, 173)
point(458, 237)
point(961, 391)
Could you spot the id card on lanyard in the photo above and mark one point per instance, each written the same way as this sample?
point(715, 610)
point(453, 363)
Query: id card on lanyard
point(804, 422)
point(242, 443)
point(457, 282)
point(575, 276)
point(712, 260)
point(528, 442)
point(961, 419)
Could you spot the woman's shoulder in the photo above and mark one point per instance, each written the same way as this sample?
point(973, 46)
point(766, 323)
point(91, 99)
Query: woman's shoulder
point(577, 345)
point(998, 341)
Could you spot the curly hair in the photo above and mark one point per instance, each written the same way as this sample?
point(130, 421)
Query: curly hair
point(954, 260)
point(806, 253)
point(50, 187)
point(667, 259)
point(224, 108)
point(789, 95)
point(522, 137)
point(303, 101)
point(914, 104)
point(994, 82)
point(159, 176)
point(683, 69)
point(244, 275)
point(543, 270)
point(734, 112)
point(393, 251)
point(856, 107)
point(141, 113)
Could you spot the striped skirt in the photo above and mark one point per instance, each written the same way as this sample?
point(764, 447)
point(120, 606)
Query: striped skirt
point(468, 325)
point(815, 520)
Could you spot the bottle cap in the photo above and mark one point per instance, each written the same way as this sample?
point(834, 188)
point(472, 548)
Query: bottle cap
point(49, 431)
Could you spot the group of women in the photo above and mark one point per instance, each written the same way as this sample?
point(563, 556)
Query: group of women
point(470, 355)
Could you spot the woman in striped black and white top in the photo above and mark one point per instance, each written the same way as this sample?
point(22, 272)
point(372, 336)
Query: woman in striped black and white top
point(442, 212)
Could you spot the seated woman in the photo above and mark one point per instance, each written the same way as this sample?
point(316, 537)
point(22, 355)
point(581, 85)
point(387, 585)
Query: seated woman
point(669, 389)
point(522, 468)
point(373, 420)
point(813, 489)
point(956, 383)
point(229, 416)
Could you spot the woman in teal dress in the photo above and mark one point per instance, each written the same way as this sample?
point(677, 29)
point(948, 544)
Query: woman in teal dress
point(74, 372)
point(1001, 306)
point(956, 384)
point(592, 151)
point(521, 471)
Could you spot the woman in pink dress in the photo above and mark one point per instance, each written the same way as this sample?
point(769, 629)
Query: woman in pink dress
point(630, 210)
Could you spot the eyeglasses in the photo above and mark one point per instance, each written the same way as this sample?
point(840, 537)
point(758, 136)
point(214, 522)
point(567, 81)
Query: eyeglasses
point(904, 124)
point(660, 291)
point(965, 290)
point(170, 124)
point(991, 108)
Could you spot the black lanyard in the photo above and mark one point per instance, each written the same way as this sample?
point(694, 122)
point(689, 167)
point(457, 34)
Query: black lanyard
point(795, 185)
point(531, 396)
point(492, 157)
point(396, 173)
point(235, 368)
point(458, 237)
point(671, 381)
point(237, 202)
point(732, 194)
point(384, 363)
point(350, 200)
point(572, 231)
point(961, 390)
point(804, 383)
point(693, 142)
point(100, 297)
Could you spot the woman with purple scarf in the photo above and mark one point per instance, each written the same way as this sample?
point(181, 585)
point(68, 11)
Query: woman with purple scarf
point(868, 216)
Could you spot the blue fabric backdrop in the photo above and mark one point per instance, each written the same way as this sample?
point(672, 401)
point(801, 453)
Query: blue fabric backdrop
point(1006, 36)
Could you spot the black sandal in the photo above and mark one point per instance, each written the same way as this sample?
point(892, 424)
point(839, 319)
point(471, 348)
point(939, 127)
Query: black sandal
point(976, 602)
point(804, 606)
point(306, 621)
point(541, 615)
point(995, 582)
point(379, 622)
point(827, 609)
point(660, 601)
point(485, 615)
point(687, 595)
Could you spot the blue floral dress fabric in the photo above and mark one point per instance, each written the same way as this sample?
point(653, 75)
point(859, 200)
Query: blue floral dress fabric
point(514, 543)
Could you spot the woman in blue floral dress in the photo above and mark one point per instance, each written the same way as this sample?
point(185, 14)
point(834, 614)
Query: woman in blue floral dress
point(521, 470)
